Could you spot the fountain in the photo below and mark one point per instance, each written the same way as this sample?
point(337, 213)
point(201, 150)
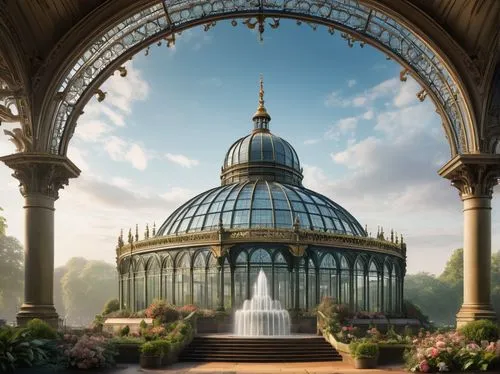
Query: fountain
point(262, 316)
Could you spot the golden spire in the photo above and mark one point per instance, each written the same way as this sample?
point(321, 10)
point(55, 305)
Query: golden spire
point(261, 112)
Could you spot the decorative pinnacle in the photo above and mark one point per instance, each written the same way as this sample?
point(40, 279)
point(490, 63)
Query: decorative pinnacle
point(261, 109)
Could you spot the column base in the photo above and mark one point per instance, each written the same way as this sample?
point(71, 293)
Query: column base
point(46, 313)
point(474, 312)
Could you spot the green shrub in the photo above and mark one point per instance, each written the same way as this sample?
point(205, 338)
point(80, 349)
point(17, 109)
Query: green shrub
point(111, 306)
point(18, 349)
point(164, 344)
point(125, 331)
point(364, 350)
point(151, 348)
point(39, 329)
point(122, 313)
point(161, 310)
point(478, 331)
point(127, 340)
point(143, 324)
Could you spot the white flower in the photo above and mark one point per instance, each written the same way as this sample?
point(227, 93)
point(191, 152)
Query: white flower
point(442, 366)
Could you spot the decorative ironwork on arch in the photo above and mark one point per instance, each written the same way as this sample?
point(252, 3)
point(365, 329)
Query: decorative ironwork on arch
point(357, 22)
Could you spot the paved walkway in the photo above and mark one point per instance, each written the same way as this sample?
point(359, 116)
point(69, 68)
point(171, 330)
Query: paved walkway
point(247, 368)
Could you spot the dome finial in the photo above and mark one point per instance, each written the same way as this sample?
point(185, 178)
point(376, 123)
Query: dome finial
point(261, 118)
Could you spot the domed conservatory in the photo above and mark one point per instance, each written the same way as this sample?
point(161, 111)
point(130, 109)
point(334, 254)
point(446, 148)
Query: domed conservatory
point(209, 251)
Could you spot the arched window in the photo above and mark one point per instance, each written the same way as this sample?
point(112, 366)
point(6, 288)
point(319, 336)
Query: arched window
point(139, 286)
point(199, 280)
point(359, 285)
point(227, 285)
point(153, 281)
point(328, 282)
point(213, 284)
point(126, 279)
point(260, 259)
point(387, 290)
point(395, 286)
point(183, 280)
point(167, 275)
point(311, 285)
point(373, 288)
point(345, 281)
point(282, 281)
point(240, 279)
point(302, 284)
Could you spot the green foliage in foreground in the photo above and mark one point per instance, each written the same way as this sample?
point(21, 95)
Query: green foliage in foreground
point(479, 331)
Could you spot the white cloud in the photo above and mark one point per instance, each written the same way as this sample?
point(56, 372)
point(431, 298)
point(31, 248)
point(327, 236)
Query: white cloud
point(114, 116)
point(115, 147)
point(335, 100)
point(123, 91)
point(342, 127)
point(351, 83)
point(77, 156)
point(91, 131)
point(407, 94)
point(368, 115)
point(182, 160)
point(311, 141)
point(177, 195)
point(137, 157)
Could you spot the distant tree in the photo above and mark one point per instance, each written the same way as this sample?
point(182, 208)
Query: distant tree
point(58, 292)
point(495, 281)
point(86, 286)
point(434, 297)
point(11, 273)
point(453, 273)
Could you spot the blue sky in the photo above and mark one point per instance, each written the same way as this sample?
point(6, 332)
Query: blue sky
point(161, 135)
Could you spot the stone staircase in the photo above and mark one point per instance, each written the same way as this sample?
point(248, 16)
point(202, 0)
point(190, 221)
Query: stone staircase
point(236, 349)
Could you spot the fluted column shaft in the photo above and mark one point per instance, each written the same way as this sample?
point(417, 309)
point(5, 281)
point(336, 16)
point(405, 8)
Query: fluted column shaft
point(41, 176)
point(474, 176)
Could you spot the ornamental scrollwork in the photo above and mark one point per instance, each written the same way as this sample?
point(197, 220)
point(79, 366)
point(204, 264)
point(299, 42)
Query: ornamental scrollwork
point(368, 24)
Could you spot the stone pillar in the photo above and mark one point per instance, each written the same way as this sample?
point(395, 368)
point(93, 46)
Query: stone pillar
point(41, 176)
point(474, 176)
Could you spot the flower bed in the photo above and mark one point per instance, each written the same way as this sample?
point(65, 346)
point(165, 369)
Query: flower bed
point(451, 351)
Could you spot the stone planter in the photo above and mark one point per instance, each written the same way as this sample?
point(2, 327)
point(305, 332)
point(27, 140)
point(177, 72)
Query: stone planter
point(128, 353)
point(150, 362)
point(365, 363)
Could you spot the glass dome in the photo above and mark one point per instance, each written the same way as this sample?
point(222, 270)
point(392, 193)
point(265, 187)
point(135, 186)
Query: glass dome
point(262, 146)
point(260, 204)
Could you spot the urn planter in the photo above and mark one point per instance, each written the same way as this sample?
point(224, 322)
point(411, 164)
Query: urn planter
point(365, 363)
point(150, 361)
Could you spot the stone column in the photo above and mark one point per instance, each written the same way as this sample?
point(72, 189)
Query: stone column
point(41, 176)
point(474, 176)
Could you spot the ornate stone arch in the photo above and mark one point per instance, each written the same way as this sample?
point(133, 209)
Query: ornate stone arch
point(356, 21)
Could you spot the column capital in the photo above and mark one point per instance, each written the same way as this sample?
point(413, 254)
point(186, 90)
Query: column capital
point(474, 175)
point(41, 173)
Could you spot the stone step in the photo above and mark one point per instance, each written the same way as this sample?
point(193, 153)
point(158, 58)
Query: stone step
point(236, 349)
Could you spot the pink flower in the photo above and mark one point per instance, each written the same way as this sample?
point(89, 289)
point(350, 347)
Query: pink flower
point(424, 366)
point(491, 347)
point(473, 347)
point(441, 345)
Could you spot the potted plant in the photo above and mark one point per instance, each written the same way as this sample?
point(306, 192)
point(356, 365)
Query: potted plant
point(365, 354)
point(151, 354)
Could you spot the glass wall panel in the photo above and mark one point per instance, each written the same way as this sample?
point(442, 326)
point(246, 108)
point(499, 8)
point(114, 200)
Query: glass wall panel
point(282, 291)
point(328, 282)
point(359, 286)
point(139, 288)
point(153, 281)
point(311, 285)
point(395, 285)
point(387, 290)
point(213, 284)
point(167, 274)
point(260, 259)
point(373, 288)
point(302, 284)
point(199, 280)
point(227, 285)
point(183, 281)
point(240, 280)
point(345, 281)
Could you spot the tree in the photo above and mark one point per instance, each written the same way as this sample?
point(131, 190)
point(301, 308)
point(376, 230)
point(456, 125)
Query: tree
point(453, 273)
point(433, 296)
point(11, 273)
point(86, 286)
